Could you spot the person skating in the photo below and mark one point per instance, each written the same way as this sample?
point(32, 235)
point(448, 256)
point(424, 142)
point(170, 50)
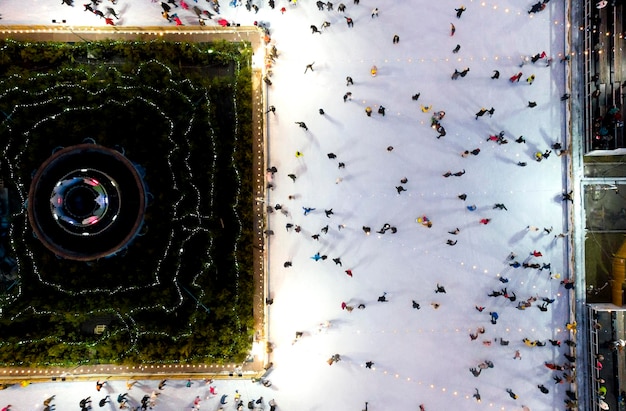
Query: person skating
point(481, 113)
point(441, 130)
point(511, 393)
point(104, 401)
point(532, 104)
point(314, 30)
point(494, 317)
point(369, 364)
point(464, 72)
point(302, 124)
point(476, 395)
point(462, 197)
point(383, 298)
point(459, 11)
point(543, 389)
point(309, 67)
point(459, 173)
point(99, 385)
point(415, 304)
point(537, 56)
point(496, 75)
point(349, 81)
point(450, 242)
point(456, 49)
point(328, 213)
point(396, 39)
point(454, 232)
point(307, 210)
point(537, 7)
point(475, 372)
point(400, 189)
point(515, 78)
point(112, 12)
point(452, 29)
point(440, 289)
point(500, 206)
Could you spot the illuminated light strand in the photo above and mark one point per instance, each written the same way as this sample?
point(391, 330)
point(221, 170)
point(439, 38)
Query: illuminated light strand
point(131, 327)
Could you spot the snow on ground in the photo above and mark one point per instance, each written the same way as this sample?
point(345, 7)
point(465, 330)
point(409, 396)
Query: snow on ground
point(420, 356)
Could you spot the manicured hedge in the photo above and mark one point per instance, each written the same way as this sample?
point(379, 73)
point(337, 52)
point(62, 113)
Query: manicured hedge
point(182, 292)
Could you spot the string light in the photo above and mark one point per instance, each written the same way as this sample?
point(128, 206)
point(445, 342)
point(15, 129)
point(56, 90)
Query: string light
point(45, 93)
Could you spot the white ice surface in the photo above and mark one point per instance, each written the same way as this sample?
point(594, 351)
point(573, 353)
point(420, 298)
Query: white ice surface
point(421, 356)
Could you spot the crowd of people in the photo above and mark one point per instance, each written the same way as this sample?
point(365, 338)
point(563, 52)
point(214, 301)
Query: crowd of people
point(509, 294)
point(538, 267)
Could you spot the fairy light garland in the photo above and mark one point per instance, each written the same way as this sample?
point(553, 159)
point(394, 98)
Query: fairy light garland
point(178, 237)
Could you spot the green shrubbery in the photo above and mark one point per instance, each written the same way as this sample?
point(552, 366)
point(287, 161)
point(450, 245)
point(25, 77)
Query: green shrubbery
point(170, 108)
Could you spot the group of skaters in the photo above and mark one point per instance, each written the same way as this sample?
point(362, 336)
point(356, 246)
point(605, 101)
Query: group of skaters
point(102, 11)
point(565, 370)
point(147, 398)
